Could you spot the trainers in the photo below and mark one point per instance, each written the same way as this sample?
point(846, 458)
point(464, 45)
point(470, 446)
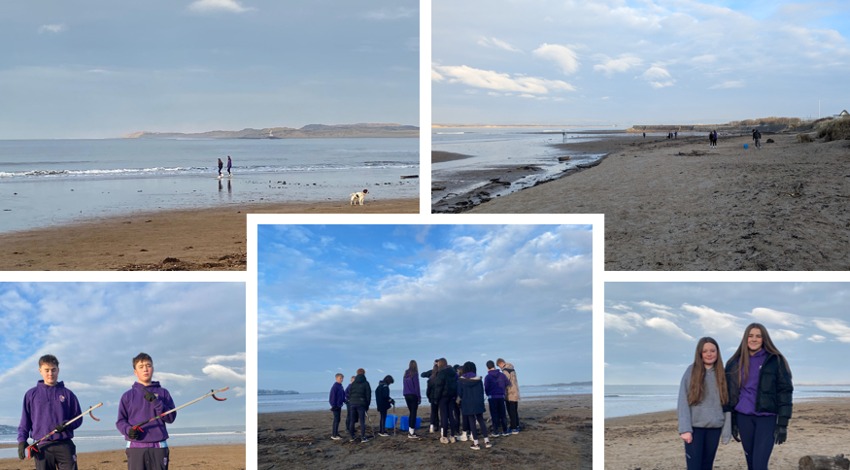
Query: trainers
point(444, 440)
point(383, 434)
point(412, 436)
point(487, 444)
point(463, 437)
point(515, 431)
point(452, 440)
point(336, 438)
point(475, 447)
point(364, 439)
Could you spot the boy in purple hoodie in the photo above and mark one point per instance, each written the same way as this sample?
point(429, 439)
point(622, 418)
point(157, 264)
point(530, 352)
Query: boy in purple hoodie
point(147, 447)
point(336, 400)
point(495, 383)
point(47, 407)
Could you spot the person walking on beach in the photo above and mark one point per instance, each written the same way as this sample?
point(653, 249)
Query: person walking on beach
point(383, 401)
point(512, 393)
point(471, 392)
point(348, 414)
point(360, 398)
point(446, 393)
point(495, 383)
point(702, 397)
point(412, 396)
point(760, 395)
point(229, 166)
point(336, 399)
point(220, 166)
point(47, 408)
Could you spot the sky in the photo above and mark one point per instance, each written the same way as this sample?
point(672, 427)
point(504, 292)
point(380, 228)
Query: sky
point(100, 68)
point(627, 62)
point(335, 298)
point(195, 334)
point(652, 329)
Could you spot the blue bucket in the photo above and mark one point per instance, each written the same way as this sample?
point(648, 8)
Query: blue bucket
point(390, 422)
point(404, 423)
point(746, 146)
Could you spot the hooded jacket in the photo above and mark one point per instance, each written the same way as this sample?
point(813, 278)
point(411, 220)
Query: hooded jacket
point(774, 392)
point(513, 386)
point(45, 407)
point(134, 409)
point(382, 396)
point(337, 396)
point(411, 386)
point(495, 383)
point(471, 392)
point(706, 414)
point(361, 392)
point(445, 386)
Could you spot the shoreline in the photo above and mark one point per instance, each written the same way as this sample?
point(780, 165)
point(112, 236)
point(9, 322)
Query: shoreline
point(682, 205)
point(210, 457)
point(169, 240)
point(556, 433)
point(651, 440)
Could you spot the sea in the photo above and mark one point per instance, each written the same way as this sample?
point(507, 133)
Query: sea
point(45, 183)
point(110, 439)
point(316, 401)
point(493, 148)
point(629, 400)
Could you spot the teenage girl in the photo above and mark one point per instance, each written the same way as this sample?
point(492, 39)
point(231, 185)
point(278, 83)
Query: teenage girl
point(702, 397)
point(760, 391)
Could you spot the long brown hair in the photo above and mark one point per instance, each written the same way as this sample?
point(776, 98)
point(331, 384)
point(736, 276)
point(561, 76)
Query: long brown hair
point(412, 370)
point(743, 352)
point(696, 389)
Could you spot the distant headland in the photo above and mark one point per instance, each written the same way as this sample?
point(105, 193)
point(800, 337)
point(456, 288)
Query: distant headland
point(309, 131)
point(276, 392)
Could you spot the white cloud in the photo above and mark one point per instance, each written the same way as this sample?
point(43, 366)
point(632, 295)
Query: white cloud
point(729, 84)
point(563, 56)
point(223, 373)
point(497, 44)
point(785, 334)
point(658, 77)
point(835, 327)
point(232, 6)
point(622, 64)
point(625, 324)
point(390, 14)
point(666, 326)
point(711, 321)
point(52, 28)
point(491, 80)
point(767, 315)
point(817, 338)
point(238, 357)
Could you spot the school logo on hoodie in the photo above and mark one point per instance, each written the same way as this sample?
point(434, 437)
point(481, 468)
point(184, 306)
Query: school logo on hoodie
point(61, 398)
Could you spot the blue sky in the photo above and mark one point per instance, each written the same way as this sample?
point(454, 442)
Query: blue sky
point(652, 329)
point(333, 298)
point(100, 68)
point(194, 332)
point(625, 62)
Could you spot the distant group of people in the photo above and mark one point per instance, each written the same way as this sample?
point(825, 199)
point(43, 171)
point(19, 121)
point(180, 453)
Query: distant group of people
point(456, 395)
point(221, 165)
point(712, 138)
point(757, 138)
point(750, 400)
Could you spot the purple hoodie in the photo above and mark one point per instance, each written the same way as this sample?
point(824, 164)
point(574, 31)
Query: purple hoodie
point(337, 395)
point(495, 383)
point(134, 409)
point(411, 386)
point(45, 408)
point(749, 390)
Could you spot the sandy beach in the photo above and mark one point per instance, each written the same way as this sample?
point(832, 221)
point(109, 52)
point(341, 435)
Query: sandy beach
point(218, 457)
point(681, 205)
point(184, 240)
point(557, 433)
point(651, 441)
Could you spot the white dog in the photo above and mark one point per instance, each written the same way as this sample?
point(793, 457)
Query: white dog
point(359, 197)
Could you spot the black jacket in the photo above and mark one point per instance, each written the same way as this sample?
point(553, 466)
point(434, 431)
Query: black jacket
point(382, 396)
point(774, 390)
point(430, 389)
point(446, 384)
point(361, 392)
point(471, 393)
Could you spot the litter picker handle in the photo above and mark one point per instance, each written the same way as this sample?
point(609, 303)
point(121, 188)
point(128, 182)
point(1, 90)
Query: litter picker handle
point(34, 446)
point(211, 393)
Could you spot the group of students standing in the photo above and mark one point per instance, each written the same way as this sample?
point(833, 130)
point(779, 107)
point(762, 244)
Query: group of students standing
point(51, 413)
point(749, 400)
point(456, 395)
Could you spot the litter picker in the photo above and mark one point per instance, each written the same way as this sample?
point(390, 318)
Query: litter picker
point(211, 393)
point(34, 447)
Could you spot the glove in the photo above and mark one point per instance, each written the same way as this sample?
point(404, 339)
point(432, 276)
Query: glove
point(60, 427)
point(150, 396)
point(780, 434)
point(22, 450)
point(134, 433)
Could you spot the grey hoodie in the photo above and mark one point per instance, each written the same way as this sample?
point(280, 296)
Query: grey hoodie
point(706, 414)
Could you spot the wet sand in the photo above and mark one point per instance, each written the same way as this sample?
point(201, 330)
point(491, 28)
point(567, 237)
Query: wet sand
point(556, 434)
point(680, 205)
point(651, 441)
point(217, 457)
point(196, 240)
